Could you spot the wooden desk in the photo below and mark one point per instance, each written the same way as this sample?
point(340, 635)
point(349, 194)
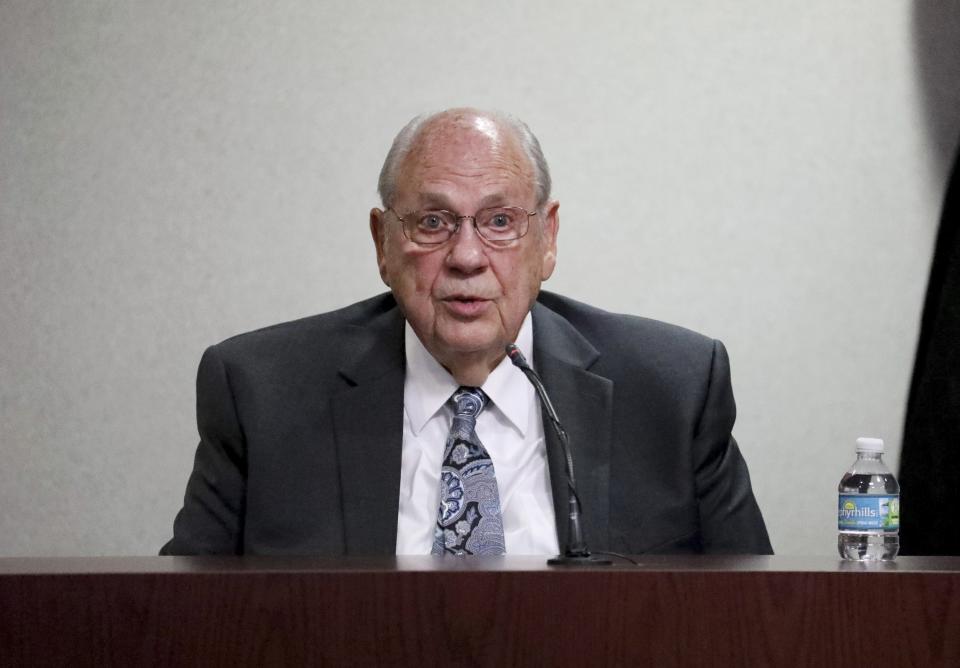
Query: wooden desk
point(425, 611)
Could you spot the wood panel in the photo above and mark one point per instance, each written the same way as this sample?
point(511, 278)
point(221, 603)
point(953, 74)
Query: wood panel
point(381, 612)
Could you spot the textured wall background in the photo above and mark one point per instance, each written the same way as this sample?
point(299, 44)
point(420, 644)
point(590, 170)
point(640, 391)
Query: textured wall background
point(173, 173)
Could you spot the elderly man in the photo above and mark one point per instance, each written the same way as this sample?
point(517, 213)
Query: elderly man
point(398, 425)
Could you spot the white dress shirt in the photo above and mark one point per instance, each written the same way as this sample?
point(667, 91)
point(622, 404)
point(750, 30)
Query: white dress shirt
point(511, 429)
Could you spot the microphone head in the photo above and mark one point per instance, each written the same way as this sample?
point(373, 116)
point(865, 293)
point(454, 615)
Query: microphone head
point(513, 352)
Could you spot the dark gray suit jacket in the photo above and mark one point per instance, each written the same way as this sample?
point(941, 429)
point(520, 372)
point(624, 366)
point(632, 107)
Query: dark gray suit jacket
point(301, 430)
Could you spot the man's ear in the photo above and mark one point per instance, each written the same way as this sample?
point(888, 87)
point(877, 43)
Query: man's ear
point(551, 226)
point(378, 230)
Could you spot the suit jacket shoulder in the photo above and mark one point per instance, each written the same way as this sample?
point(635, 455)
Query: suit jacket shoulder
point(322, 342)
point(286, 414)
point(630, 347)
point(652, 415)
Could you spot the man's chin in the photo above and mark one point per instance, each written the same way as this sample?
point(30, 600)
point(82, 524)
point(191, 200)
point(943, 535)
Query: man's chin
point(473, 345)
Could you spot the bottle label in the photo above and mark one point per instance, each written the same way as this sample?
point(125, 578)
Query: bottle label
point(868, 511)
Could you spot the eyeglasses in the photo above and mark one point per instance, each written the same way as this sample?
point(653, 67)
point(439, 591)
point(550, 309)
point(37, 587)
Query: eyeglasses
point(497, 225)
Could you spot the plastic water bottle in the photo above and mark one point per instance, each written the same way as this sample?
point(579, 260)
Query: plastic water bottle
point(868, 512)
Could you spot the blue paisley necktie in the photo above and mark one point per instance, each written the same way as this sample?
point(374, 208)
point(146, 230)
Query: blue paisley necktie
point(468, 520)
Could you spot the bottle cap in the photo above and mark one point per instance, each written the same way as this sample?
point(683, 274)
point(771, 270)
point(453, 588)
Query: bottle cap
point(865, 444)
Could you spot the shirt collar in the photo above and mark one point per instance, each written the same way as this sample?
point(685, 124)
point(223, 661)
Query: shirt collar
point(428, 386)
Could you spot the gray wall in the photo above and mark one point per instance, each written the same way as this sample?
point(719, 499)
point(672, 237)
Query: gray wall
point(172, 173)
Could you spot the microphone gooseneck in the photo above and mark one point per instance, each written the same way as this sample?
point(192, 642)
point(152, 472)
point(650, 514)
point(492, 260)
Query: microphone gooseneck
point(576, 552)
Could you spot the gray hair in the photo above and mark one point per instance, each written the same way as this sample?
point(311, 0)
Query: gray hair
point(405, 139)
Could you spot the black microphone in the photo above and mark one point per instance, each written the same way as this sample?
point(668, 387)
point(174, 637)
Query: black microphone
point(576, 552)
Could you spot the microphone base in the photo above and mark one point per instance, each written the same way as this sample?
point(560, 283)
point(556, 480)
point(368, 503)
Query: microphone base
point(577, 560)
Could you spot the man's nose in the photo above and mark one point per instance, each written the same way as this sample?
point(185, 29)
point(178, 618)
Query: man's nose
point(467, 252)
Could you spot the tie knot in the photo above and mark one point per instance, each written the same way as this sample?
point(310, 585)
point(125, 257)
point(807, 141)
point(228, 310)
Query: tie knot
point(468, 402)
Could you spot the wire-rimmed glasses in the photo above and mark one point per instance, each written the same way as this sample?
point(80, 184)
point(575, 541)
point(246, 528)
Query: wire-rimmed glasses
point(498, 225)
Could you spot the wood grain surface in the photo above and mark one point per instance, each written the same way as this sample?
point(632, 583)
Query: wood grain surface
point(429, 612)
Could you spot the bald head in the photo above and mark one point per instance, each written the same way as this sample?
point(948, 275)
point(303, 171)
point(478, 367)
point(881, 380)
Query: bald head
point(426, 132)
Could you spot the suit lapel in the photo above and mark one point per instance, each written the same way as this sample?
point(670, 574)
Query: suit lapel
point(368, 428)
point(584, 403)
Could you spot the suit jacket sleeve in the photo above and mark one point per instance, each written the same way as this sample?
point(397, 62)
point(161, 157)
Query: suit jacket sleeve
point(730, 520)
point(211, 520)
